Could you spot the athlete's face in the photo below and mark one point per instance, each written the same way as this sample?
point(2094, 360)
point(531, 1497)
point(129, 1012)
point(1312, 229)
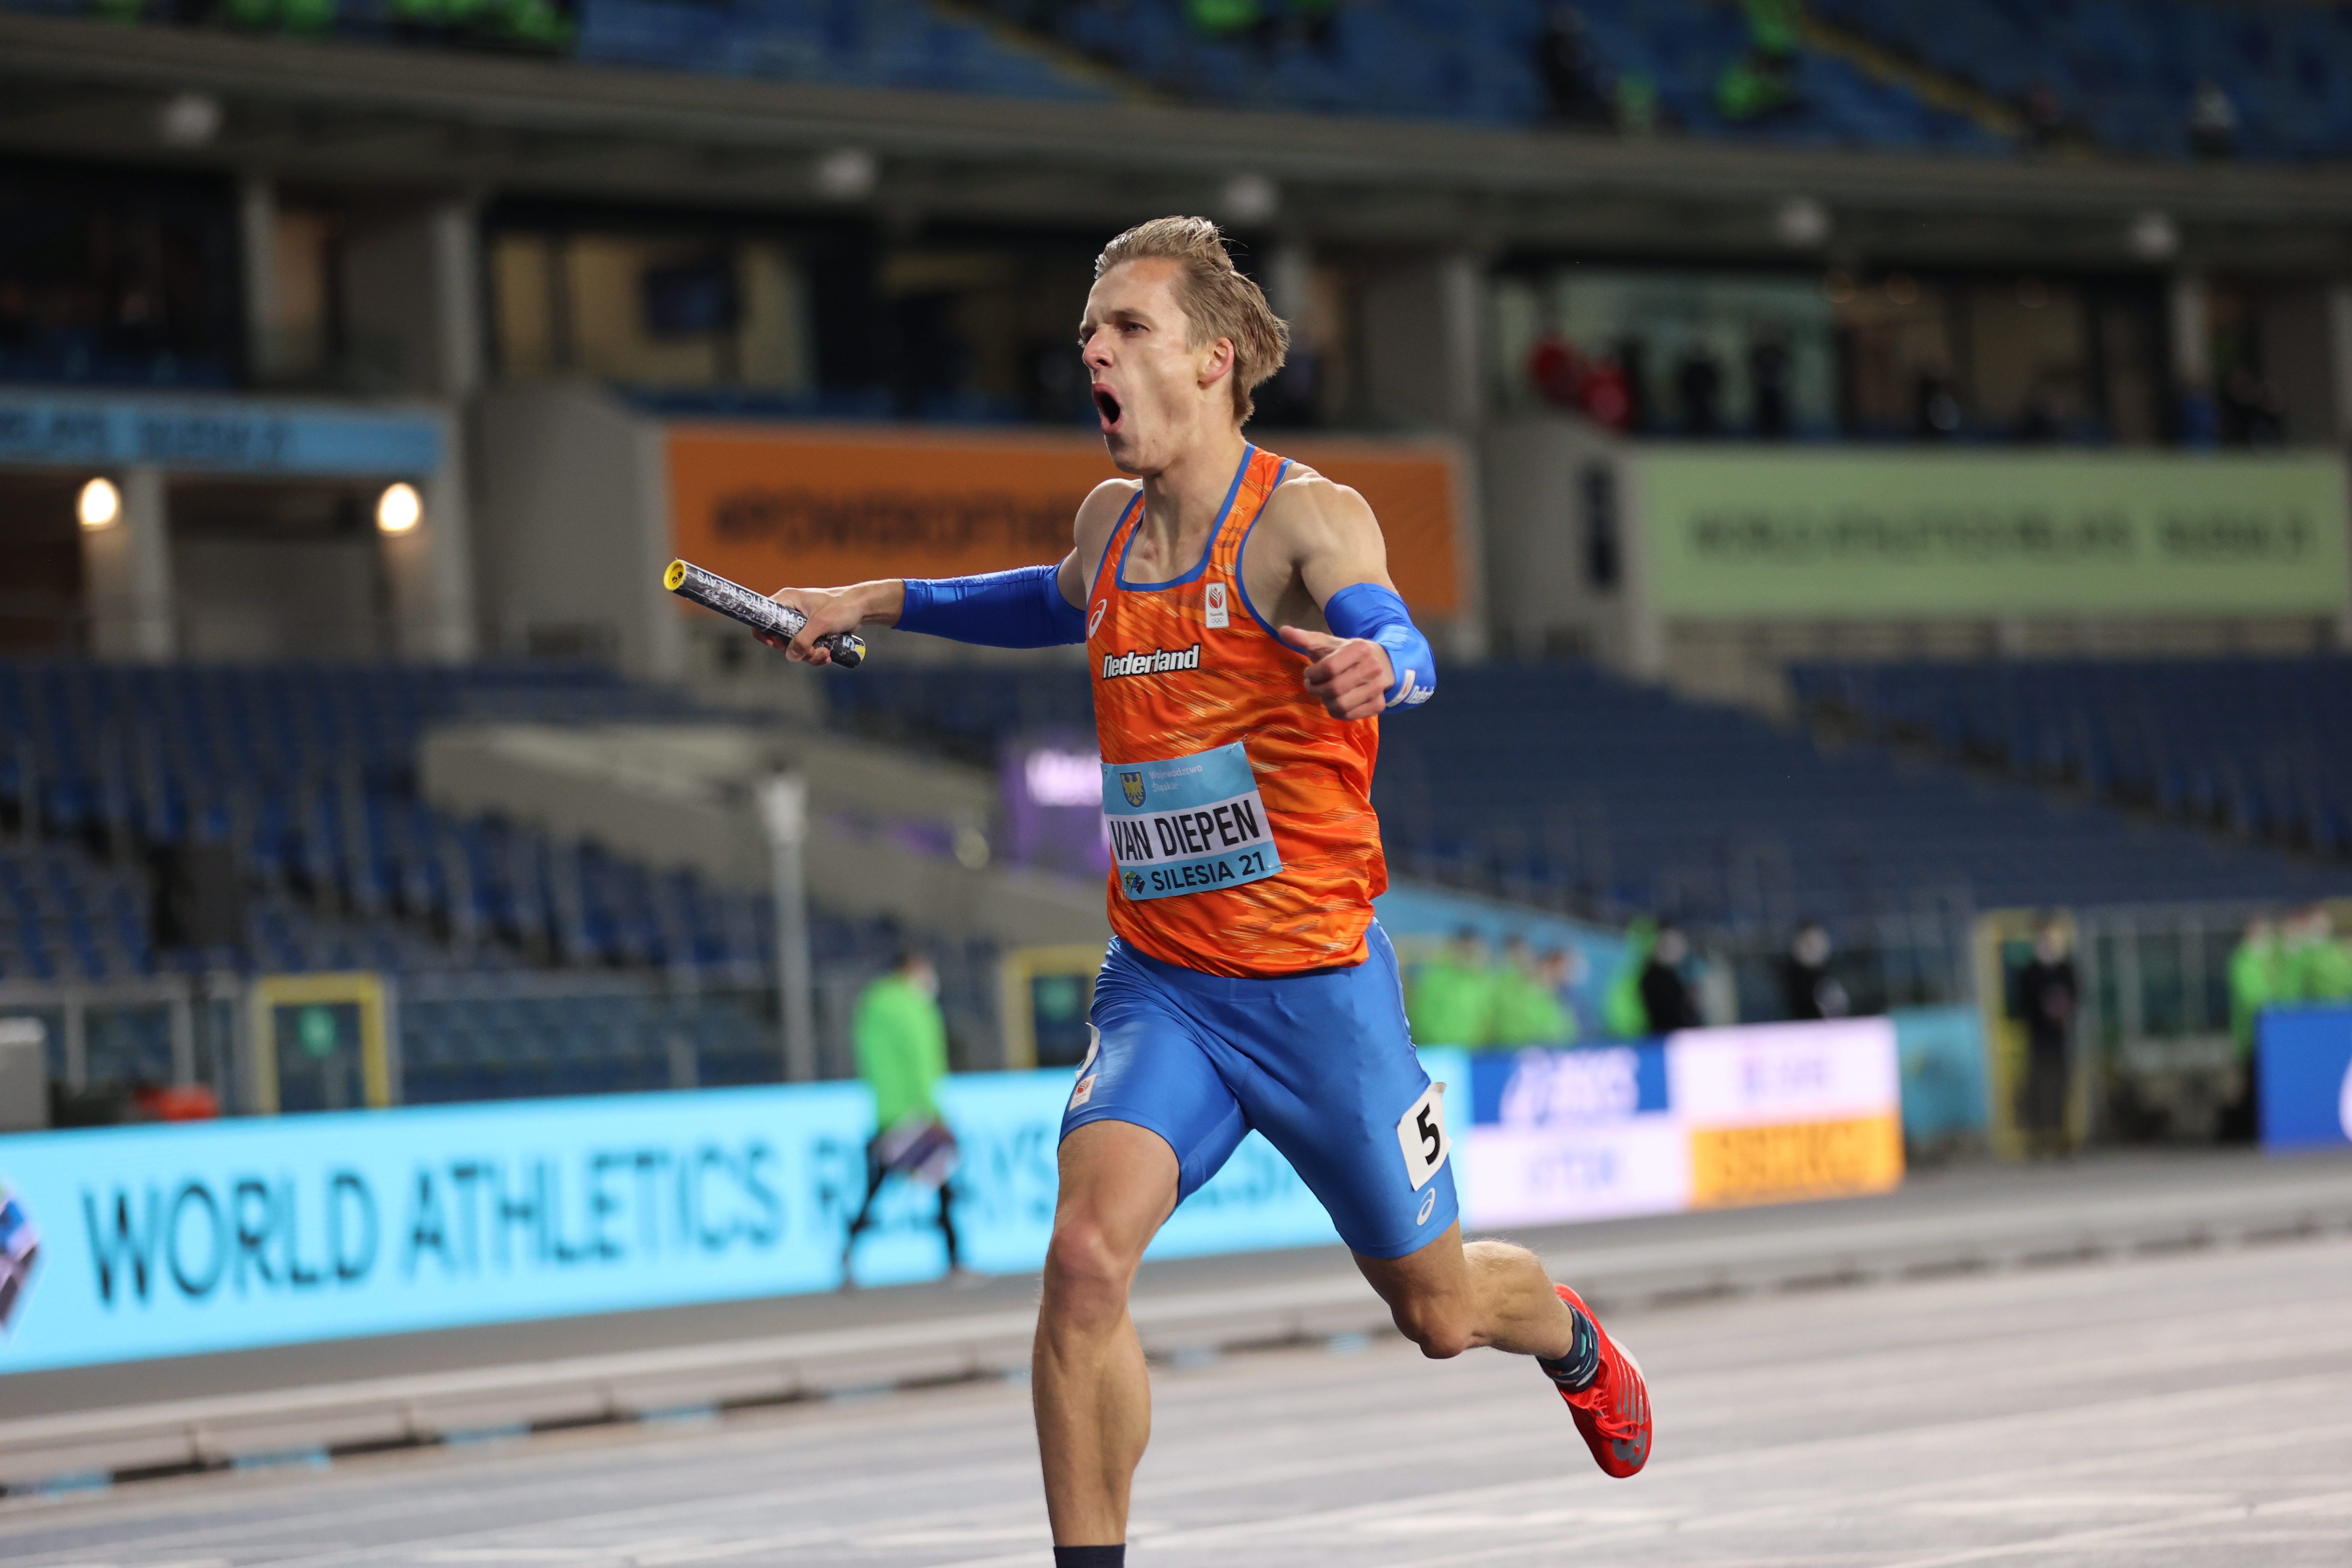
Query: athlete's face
point(1156, 392)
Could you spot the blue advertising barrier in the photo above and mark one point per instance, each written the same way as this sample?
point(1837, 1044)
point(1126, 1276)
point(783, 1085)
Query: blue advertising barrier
point(2306, 1057)
point(159, 1240)
point(1763, 1113)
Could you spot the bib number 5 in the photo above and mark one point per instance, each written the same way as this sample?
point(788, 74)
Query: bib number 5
point(1421, 1134)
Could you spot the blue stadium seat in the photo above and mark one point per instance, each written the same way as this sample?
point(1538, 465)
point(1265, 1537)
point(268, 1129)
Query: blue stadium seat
point(1558, 782)
point(2261, 746)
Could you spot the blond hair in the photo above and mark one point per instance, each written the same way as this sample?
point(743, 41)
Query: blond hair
point(1217, 300)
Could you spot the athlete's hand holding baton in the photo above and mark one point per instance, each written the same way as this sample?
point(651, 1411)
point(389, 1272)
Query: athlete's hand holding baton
point(808, 623)
point(835, 613)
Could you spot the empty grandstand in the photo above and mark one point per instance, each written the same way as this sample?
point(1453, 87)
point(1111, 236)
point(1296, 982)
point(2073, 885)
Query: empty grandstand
point(2258, 746)
point(1560, 785)
point(531, 964)
point(2163, 80)
point(1795, 424)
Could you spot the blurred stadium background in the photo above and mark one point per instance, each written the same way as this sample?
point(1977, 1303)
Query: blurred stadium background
point(1876, 474)
point(1868, 466)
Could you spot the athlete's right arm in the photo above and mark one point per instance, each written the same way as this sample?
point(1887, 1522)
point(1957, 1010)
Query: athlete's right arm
point(1029, 606)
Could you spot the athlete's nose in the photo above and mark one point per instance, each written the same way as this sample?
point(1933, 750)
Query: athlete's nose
point(1095, 356)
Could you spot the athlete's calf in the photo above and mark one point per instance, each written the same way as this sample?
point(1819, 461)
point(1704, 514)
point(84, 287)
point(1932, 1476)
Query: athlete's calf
point(1449, 1297)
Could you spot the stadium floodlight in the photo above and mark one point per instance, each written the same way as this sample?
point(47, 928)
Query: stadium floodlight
point(1251, 198)
point(99, 504)
point(847, 173)
point(399, 508)
point(1801, 223)
point(188, 120)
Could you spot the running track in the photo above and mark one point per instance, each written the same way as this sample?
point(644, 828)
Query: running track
point(2181, 1410)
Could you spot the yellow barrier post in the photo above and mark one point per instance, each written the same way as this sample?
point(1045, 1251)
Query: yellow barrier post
point(1018, 973)
point(369, 993)
point(2002, 944)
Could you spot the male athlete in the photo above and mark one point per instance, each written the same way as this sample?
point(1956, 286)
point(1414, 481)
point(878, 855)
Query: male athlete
point(1245, 636)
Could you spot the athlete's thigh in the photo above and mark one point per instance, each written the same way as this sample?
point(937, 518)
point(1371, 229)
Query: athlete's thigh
point(1148, 1067)
point(1332, 1080)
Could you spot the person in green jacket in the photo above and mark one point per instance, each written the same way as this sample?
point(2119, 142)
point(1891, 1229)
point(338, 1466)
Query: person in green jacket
point(1528, 1009)
point(2257, 979)
point(2319, 967)
point(902, 1054)
point(1451, 1000)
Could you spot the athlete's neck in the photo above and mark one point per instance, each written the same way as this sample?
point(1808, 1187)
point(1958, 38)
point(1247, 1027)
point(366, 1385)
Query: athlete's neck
point(1181, 501)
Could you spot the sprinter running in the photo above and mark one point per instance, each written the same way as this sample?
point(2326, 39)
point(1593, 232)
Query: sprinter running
point(1245, 638)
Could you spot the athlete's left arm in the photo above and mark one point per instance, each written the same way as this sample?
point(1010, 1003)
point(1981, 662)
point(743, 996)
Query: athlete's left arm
point(1373, 658)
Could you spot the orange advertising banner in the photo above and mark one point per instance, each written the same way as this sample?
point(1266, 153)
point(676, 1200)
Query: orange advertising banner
point(819, 505)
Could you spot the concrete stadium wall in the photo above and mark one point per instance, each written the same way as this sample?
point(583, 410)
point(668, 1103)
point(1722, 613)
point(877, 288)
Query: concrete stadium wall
point(569, 486)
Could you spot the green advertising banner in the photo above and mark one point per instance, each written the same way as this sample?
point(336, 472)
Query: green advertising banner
point(1743, 532)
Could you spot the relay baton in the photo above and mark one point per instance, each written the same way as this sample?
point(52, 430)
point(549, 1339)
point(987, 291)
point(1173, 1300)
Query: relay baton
point(757, 611)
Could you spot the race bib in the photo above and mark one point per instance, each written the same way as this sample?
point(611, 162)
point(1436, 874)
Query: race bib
point(1187, 826)
point(1421, 1134)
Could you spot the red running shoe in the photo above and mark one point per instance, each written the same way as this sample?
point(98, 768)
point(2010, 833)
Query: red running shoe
point(1613, 1411)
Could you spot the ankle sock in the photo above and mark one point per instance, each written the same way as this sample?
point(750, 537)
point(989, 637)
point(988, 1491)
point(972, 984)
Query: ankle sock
point(1581, 1365)
point(1090, 1556)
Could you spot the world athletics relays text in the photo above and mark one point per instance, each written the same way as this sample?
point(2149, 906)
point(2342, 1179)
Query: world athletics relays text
point(268, 1231)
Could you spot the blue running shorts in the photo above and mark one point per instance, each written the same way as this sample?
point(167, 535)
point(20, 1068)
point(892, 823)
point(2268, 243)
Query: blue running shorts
point(1322, 1064)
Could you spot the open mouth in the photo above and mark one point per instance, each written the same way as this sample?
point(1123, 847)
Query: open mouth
point(1108, 405)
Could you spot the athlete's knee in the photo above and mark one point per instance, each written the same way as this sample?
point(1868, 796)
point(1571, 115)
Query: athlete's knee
point(1441, 1328)
point(1086, 1274)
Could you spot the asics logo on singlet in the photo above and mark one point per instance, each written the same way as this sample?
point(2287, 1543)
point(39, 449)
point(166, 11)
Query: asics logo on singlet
point(1159, 662)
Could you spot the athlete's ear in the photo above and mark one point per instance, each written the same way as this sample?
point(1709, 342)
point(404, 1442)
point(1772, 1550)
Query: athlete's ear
point(1218, 363)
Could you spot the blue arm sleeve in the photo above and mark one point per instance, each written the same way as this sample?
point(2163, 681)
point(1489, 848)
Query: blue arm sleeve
point(1370, 611)
point(1021, 608)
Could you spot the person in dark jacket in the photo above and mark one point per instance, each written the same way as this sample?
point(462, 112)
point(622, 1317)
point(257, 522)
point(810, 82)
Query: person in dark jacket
point(1665, 994)
point(1808, 990)
point(2048, 994)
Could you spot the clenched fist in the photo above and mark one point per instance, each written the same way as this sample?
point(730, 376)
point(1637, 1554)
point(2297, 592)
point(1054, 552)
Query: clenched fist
point(1349, 676)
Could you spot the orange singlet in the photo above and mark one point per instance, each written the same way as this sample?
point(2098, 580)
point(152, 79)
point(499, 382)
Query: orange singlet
point(1243, 837)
